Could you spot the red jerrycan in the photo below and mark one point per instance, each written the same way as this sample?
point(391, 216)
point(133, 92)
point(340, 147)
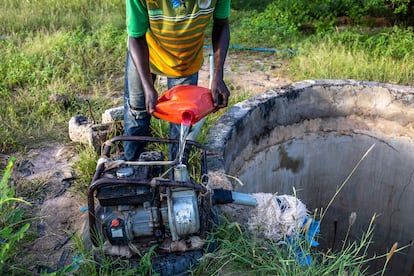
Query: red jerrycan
point(185, 104)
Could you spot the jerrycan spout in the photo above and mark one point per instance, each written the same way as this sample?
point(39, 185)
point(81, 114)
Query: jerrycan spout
point(187, 117)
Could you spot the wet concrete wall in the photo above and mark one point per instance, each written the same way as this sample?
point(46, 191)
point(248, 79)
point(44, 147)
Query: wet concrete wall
point(309, 136)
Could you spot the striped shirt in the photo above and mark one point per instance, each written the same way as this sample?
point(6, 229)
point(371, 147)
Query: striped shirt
point(175, 36)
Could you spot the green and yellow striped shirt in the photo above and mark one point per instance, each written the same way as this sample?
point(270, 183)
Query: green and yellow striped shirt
point(175, 36)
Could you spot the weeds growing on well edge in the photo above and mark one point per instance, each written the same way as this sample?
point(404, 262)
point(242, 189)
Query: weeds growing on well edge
point(242, 252)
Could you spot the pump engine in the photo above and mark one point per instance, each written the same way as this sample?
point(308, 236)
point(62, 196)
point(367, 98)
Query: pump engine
point(135, 205)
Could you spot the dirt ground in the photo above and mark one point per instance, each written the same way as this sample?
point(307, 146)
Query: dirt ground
point(58, 211)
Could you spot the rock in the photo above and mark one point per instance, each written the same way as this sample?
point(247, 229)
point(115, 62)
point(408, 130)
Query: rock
point(83, 131)
point(113, 115)
point(80, 129)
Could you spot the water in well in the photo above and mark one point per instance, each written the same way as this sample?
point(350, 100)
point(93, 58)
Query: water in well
point(310, 136)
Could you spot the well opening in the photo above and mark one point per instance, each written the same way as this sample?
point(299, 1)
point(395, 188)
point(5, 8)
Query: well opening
point(309, 136)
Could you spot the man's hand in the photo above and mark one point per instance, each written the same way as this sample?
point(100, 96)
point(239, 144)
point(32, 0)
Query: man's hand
point(220, 40)
point(151, 97)
point(220, 93)
point(138, 48)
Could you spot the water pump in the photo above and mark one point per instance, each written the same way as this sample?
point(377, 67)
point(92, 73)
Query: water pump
point(135, 205)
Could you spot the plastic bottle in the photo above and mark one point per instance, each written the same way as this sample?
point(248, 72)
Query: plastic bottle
point(185, 104)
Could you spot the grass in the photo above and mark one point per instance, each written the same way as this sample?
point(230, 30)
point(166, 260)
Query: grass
point(240, 252)
point(12, 225)
point(84, 169)
point(54, 15)
point(75, 49)
point(93, 262)
point(383, 57)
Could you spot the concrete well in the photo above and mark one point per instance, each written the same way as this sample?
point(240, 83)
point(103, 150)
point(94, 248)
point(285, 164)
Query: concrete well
point(310, 135)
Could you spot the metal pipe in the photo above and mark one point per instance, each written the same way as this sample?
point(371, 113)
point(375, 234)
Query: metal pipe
point(221, 196)
point(154, 182)
point(243, 199)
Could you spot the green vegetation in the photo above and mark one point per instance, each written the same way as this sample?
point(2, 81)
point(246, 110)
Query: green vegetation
point(12, 226)
point(239, 252)
point(76, 49)
point(288, 22)
point(385, 56)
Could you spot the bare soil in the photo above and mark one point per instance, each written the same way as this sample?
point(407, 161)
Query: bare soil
point(43, 177)
point(46, 173)
point(250, 72)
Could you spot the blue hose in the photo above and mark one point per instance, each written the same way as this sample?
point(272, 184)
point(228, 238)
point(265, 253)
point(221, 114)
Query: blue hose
point(176, 3)
point(257, 49)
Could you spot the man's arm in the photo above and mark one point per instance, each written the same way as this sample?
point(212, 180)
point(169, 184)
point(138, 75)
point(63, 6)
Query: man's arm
point(138, 48)
point(220, 40)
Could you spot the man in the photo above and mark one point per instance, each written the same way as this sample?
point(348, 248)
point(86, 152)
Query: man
point(166, 37)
